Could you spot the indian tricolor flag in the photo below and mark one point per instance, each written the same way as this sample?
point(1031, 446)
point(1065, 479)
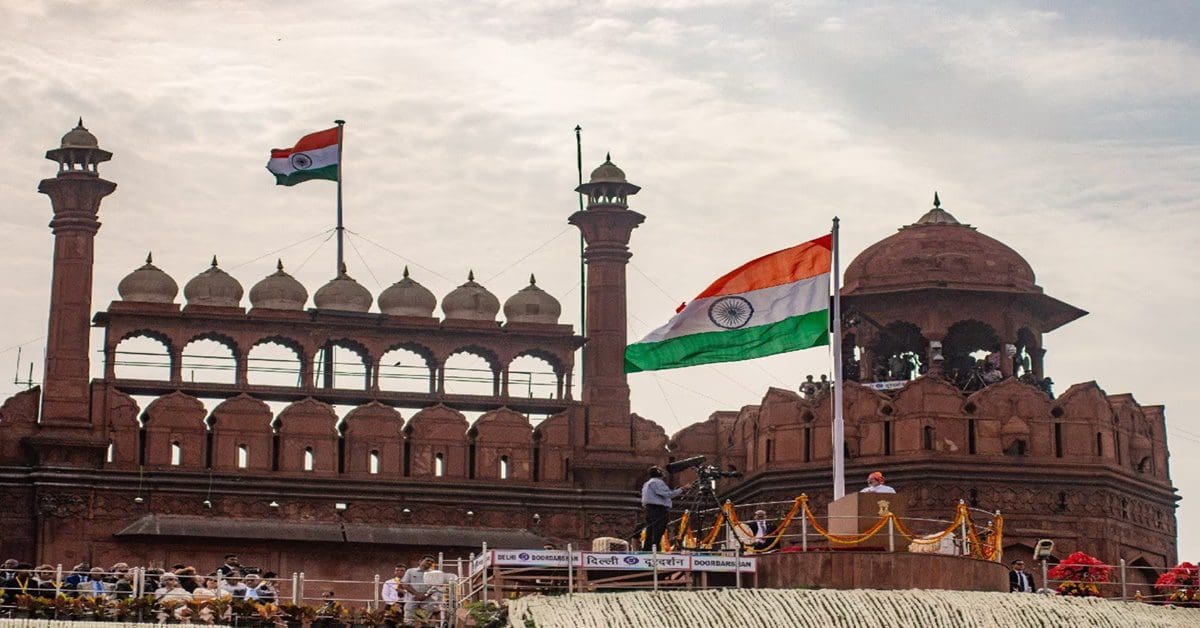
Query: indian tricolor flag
point(315, 156)
point(774, 304)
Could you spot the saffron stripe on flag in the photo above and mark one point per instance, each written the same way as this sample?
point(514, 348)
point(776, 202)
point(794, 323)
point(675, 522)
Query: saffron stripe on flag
point(312, 141)
point(798, 332)
point(802, 261)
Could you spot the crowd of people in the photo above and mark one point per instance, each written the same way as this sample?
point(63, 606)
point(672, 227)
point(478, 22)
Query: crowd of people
point(231, 580)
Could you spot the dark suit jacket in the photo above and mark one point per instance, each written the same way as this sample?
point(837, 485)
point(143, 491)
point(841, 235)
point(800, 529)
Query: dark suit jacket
point(1014, 585)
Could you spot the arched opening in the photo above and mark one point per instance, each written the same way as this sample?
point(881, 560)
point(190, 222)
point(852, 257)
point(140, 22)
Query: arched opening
point(310, 459)
point(142, 357)
point(927, 438)
point(503, 467)
point(373, 463)
point(110, 453)
point(972, 351)
point(533, 377)
point(243, 456)
point(209, 360)
point(404, 370)
point(899, 352)
point(176, 454)
point(1023, 359)
point(469, 372)
point(439, 465)
point(342, 364)
point(274, 363)
point(1017, 448)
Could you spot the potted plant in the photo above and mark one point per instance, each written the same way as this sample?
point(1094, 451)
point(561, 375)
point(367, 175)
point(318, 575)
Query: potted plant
point(1081, 574)
point(1181, 585)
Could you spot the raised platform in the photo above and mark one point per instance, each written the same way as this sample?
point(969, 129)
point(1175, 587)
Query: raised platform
point(879, 570)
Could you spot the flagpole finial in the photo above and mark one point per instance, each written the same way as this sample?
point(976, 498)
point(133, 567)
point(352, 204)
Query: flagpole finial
point(937, 202)
point(578, 128)
point(406, 271)
point(339, 122)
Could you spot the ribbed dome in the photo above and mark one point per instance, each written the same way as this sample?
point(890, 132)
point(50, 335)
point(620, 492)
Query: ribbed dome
point(470, 301)
point(407, 298)
point(213, 287)
point(79, 137)
point(937, 251)
point(148, 284)
point(532, 305)
point(343, 294)
point(607, 171)
point(279, 291)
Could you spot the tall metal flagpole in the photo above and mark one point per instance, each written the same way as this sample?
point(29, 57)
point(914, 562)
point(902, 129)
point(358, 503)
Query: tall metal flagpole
point(582, 271)
point(341, 260)
point(839, 426)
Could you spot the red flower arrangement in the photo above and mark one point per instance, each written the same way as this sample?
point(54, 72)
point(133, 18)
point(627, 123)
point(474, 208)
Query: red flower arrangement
point(1080, 573)
point(1181, 585)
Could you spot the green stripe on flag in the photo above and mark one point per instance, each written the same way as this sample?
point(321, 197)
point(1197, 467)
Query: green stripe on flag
point(789, 334)
point(329, 172)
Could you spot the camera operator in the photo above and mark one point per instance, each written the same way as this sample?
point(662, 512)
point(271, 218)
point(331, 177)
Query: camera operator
point(656, 500)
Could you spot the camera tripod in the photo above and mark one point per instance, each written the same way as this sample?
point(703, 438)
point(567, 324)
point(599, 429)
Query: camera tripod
point(705, 495)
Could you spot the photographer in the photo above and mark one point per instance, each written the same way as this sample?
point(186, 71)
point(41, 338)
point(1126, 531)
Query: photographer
point(656, 500)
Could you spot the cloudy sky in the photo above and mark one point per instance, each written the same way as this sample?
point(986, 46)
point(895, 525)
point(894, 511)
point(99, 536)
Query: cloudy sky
point(1068, 130)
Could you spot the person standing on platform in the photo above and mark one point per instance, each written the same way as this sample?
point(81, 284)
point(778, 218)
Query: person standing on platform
point(1018, 580)
point(875, 484)
point(656, 501)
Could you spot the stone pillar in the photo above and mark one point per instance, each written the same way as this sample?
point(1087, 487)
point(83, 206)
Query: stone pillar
point(606, 225)
point(75, 195)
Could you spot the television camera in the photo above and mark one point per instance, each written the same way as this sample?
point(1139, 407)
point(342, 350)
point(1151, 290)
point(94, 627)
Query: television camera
point(705, 473)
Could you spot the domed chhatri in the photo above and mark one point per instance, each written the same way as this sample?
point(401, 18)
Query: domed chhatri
point(343, 294)
point(148, 284)
point(938, 251)
point(213, 287)
point(407, 298)
point(608, 172)
point(532, 305)
point(278, 291)
point(80, 137)
point(470, 301)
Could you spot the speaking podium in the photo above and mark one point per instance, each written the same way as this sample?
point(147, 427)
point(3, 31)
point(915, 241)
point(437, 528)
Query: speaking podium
point(858, 512)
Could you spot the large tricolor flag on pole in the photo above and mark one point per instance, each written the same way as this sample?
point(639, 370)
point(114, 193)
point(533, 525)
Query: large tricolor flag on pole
point(315, 156)
point(773, 304)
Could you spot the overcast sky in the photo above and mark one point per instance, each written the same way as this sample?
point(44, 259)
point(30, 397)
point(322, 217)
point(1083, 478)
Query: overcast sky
point(1067, 130)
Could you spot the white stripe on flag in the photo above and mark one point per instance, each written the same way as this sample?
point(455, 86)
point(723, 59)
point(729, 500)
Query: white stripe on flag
point(320, 158)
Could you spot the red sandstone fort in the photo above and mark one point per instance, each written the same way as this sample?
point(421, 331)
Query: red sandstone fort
point(89, 474)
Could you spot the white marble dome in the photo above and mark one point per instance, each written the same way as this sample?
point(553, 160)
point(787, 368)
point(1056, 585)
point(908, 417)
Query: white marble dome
point(471, 302)
point(213, 287)
point(407, 298)
point(343, 294)
point(148, 284)
point(532, 305)
point(278, 291)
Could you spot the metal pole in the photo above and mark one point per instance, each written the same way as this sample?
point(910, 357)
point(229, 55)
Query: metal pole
point(300, 586)
point(1124, 582)
point(839, 427)
point(803, 531)
point(295, 588)
point(582, 264)
point(375, 592)
point(963, 531)
point(341, 260)
point(1045, 580)
point(441, 559)
point(570, 571)
point(737, 562)
point(654, 557)
point(891, 534)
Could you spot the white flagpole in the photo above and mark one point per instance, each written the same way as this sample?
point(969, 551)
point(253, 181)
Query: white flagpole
point(839, 427)
point(341, 260)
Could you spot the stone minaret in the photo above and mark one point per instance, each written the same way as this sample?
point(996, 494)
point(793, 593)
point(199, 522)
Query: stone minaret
point(606, 225)
point(75, 195)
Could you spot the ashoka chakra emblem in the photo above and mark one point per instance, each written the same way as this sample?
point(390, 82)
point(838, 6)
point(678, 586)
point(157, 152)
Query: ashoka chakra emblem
point(730, 312)
point(300, 161)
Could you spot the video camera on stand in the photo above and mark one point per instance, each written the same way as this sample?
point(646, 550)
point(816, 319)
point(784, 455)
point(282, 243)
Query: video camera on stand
point(705, 473)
